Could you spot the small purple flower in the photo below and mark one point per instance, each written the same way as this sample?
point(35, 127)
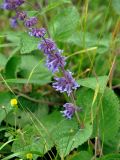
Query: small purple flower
point(69, 110)
point(19, 2)
point(55, 61)
point(30, 22)
point(7, 6)
point(47, 46)
point(66, 83)
point(13, 22)
point(21, 15)
point(37, 32)
point(12, 4)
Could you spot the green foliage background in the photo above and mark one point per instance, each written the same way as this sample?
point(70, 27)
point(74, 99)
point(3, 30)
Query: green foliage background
point(88, 31)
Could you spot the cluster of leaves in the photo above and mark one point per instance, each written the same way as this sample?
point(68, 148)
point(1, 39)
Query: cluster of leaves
point(89, 34)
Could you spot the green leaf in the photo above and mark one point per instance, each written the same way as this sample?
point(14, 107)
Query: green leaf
point(34, 70)
point(42, 81)
point(69, 18)
point(13, 37)
point(28, 43)
point(83, 155)
point(34, 139)
point(8, 45)
point(32, 13)
point(116, 6)
point(5, 106)
point(54, 5)
point(84, 100)
point(106, 110)
point(66, 134)
point(37, 136)
point(83, 39)
point(3, 60)
point(93, 83)
point(109, 116)
point(23, 154)
point(39, 110)
point(53, 130)
point(112, 145)
point(110, 157)
point(102, 64)
point(69, 136)
point(12, 66)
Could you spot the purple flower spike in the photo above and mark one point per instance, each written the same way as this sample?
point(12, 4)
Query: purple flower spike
point(21, 15)
point(47, 46)
point(13, 22)
point(69, 110)
point(37, 32)
point(55, 61)
point(66, 83)
point(30, 22)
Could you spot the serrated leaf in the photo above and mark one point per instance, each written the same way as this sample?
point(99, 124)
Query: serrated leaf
point(109, 116)
point(38, 136)
point(92, 82)
point(53, 130)
point(69, 136)
point(32, 140)
point(28, 43)
point(69, 19)
point(66, 134)
point(106, 108)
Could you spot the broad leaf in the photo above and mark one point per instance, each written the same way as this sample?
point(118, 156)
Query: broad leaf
point(109, 116)
point(93, 82)
point(12, 66)
point(53, 130)
point(34, 70)
point(28, 43)
point(33, 139)
point(5, 106)
point(69, 136)
point(69, 19)
point(106, 110)
point(39, 110)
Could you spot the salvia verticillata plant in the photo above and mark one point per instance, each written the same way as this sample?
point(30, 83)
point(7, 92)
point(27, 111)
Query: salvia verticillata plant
point(55, 61)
